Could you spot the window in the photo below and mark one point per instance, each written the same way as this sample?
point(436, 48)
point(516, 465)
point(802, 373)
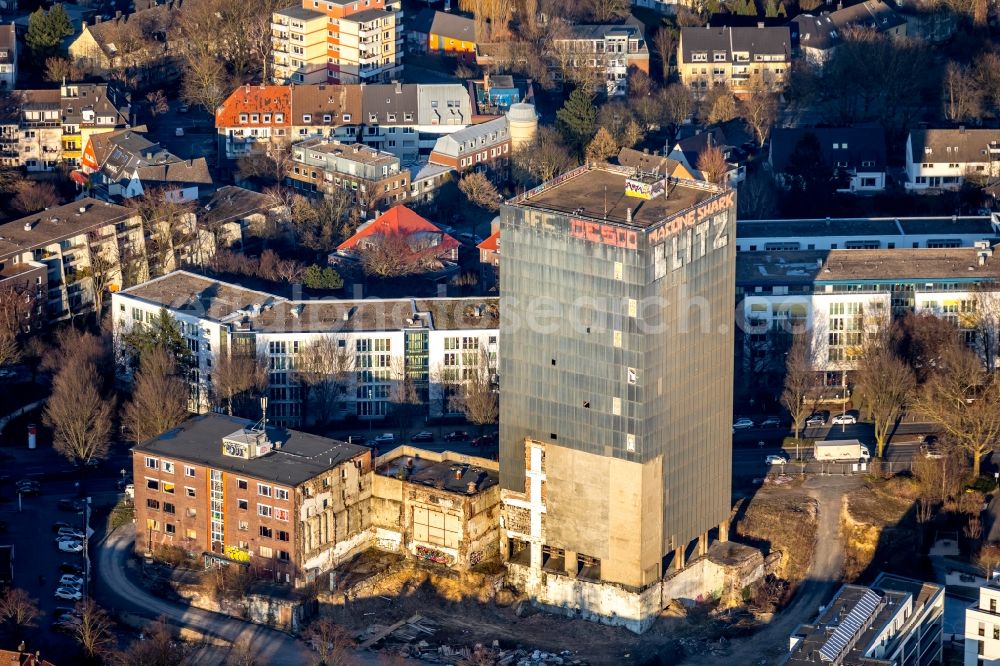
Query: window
point(153, 504)
point(265, 551)
point(241, 484)
point(306, 118)
point(266, 532)
point(152, 524)
point(281, 514)
point(152, 484)
point(242, 504)
point(188, 470)
point(283, 535)
point(244, 526)
point(152, 463)
point(170, 528)
point(283, 555)
point(168, 487)
point(190, 534)
point(169, 508)
point(263, 490)
point(264, 510)
point(280, 493)
point(168, 467)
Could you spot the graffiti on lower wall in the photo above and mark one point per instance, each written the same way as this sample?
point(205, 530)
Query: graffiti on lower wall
point(433, 555)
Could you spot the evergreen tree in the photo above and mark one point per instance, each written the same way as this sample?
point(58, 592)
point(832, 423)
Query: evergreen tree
point(577, 119)
point(751, 9)
point(46, 31)
point(808, 175)
point(782, 12)
point(163, 331)
point(602, 147)
point(771, 9)
point(317, 277)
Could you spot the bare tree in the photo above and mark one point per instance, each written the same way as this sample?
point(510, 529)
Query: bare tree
point(243, 652)
point(158, 647)
point(988, 559)
point(10, 350)
point(156, 102)
point(19, 609)
point(324, 368)
point(321, 224)
point(712, 165)
point(963, 96)
point(964, 401)
point(79, 415)
point(542, 160)
point(760, 107)
point(665, 42)
point(101, 272)
point(478, 397)
point(394, 255)
point(234, 375)
point(800, 382)
point(883, 383)
point(93, 633)
point(331, 641)
point(169, 227)
point(33, 196)
point(606, 11)
point(59, 69)
point(206, 82)
point(719, 105)
point(159, 396)
point(478, 189)
point(601, 147)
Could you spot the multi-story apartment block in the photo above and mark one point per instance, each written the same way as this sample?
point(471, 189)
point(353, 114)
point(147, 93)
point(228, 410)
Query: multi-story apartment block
point(614, 413)
point(430, 345)
point(710, 57)
point(894, 621)
point(481, 147)
point(946, 158)
point(372, 177)
point(437, 507)
point(8, 57)
point(89, 109)
point(10, 132)
point(608, 51)
point(982, 626)
point(299, 46)
point(816, 37)
point(40, 129)
point(286, 504)
point(343, 41)
point(403, 119)
point(66, 240)
point(837, 296)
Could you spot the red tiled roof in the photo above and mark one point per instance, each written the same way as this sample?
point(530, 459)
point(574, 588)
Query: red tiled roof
point(402, 221)
point(256, 99)
point(491, 244)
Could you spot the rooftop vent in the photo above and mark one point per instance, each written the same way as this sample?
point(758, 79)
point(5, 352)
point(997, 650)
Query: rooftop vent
point(82, 209)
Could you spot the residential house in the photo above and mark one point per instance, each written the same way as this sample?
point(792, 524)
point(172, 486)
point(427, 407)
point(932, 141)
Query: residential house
point(434, 31)
point(728, 137)
point(136, 43)
point(494, 94)
point(440, 508)
point(710, 57)
point(982, 626)
point(423, 237)
point(426, 179)
point(816, 37)
point(90, 109)
point(235, 214)
point(125, 164)
point(363, 42)
point(855, 155)
point(40, 129)
point(8, 57)
point(403, 119)
point(59, 245)
point(372, 177)
point(839, 294)
point(489, 260)
point(928, 20)
point(610, 52)
point(643, 160)
point(10, 131)
point(287, 505)
point(375, 338)
point(895, 620)
point(946, 158)
point(482, 147)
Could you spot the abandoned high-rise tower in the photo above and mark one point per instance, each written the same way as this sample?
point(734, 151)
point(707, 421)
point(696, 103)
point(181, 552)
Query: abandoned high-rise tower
point(616, 356)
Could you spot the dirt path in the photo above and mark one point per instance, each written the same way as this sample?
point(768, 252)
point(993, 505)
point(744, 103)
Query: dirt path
point(767, 646)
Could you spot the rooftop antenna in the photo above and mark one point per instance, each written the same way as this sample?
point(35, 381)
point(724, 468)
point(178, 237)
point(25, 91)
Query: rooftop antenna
point(261, 426)
point(605, 201)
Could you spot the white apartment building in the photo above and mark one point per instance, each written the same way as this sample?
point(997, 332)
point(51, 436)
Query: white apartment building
point(299, 46)
point(429, 346)
point(945, 158)
point(838, 295)
point(982, 627)
point(8, 57)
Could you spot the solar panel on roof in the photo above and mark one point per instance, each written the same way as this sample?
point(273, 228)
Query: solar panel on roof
point(851, 625)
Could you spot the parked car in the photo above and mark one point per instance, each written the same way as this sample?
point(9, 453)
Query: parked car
point(69, 580)
point(385, 438)
point(28, 487)
point(70, 568)
point(485, 440)
point(742, 423)
point(929, 440)
point(67, 623)
point(931, 452)
point(844, 419)
point(179, 131)
point(184, 108)
point(422, 437)
point(70, 532)
point(457, 436)
point(771, 422)
point(59, 524)
point(357, 440)
point(69, 505)
point(815, 420)
point(63, 611)
point(71, 546)
point(69, 593)
point(776, 460)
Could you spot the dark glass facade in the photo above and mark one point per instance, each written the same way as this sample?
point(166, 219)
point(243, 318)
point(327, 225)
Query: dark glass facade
point(618, 342)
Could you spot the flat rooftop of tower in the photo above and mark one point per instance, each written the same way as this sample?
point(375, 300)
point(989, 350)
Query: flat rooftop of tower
point(597, 192)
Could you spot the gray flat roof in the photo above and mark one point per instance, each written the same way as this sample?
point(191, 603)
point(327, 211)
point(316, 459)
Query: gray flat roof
point(448, 475)
point(58, 223)
point(872, 226)
point(301, 456)
point(299, 13)
point(598, 192)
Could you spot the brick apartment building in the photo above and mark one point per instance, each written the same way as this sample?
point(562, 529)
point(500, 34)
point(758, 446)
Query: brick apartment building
point(284, 503)
point(373, 177)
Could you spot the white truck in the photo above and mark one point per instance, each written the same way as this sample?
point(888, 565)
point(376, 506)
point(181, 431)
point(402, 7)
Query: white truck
point(841, 449)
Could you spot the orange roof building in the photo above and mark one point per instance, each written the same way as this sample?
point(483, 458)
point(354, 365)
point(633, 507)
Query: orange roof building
point(423, 237)
point(255, 113)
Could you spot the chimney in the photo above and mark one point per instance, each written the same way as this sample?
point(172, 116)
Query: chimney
point(118, 14)
point(628, 215)
point(399, 88)
point(471, 487)
point(760, 25)
point(83, 209)
point(458, 473)
point(409, 463)
point(961, 129)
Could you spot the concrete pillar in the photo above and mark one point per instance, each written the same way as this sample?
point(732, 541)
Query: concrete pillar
point(570, 564)
point(724, 530)
point(679, 558)
point(703, 544)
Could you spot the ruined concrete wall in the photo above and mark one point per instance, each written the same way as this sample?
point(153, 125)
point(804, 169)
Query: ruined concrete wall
point(481, 538)
point(334, 512)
